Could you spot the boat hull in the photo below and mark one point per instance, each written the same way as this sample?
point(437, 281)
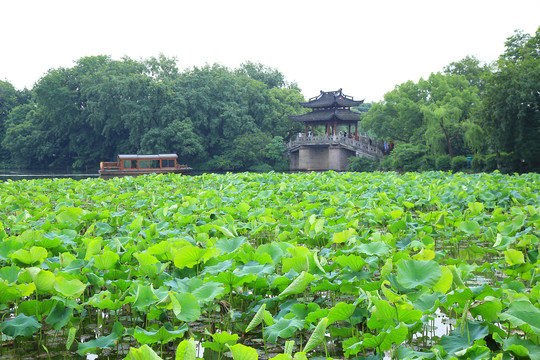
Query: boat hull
point(109, 173)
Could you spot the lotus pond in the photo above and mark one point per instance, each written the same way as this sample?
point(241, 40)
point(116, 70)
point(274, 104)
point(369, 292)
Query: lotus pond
point(283, 266)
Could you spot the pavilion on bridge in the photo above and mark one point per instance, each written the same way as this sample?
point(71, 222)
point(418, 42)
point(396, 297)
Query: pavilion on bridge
point(332, 110)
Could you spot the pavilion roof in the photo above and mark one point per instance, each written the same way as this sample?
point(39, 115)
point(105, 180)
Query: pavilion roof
point(331, 99)
point(328, 115)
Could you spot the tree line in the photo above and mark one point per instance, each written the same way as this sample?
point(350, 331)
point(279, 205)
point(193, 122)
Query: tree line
point(489, 112)
point(213, 117)
point(216, 118)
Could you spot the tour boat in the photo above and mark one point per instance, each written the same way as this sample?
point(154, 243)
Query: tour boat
point(135, 165)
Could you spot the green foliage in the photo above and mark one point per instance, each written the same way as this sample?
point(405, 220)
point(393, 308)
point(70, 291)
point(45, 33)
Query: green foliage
point(478, 163)
point(370, 258)
point(443, 163)
point(406, 157)
point(211, 116)
point(361, 163)
point(459, 163)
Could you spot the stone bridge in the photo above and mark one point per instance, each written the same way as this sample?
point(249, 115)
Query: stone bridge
point(329, 152)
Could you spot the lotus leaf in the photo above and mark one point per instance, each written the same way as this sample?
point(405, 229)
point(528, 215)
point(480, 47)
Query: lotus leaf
point(520, 347)
point(284, 328)
point(242, 352)
point(186, 350)
point(142, 353)
point(524, 315)
point(161, 335)
point(458, 341)
point(59, 316)
point(415, 273)
point(298, 285)
point(69, 288)
point(103, 342)
point(190, 309)
point(21, 325)
point(341, 311)
point(35, 255)
point(221, 341)
point(317, 336)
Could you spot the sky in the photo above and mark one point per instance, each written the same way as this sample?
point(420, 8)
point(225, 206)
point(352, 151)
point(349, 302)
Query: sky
point(364, 47)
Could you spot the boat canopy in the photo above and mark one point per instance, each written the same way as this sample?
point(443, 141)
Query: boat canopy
point(146, 157)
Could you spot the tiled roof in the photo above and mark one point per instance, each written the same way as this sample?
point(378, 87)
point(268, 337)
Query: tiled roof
point(331, 99)
point(327, 115)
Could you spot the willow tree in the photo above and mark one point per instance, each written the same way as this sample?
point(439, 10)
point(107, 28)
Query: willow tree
point(448, 113)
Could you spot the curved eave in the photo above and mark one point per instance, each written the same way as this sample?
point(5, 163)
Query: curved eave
point(327, 115)
point(331, 103)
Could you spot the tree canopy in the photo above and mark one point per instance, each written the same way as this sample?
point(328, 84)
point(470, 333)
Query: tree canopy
point(214, 117)
point(470, 109)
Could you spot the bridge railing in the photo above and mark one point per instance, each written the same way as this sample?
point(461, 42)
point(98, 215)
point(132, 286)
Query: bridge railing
point(363, 143)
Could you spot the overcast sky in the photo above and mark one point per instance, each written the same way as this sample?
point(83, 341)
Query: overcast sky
point(364, 47)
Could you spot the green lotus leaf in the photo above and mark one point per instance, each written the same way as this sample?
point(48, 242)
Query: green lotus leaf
point(10, 273)
point(145, 352)
point(243, 352)
point(8, 247)
point(514, 257)
point(221, 341)
point(69, 217)
point(190, 255)
point(21, 325)
point(524, 315)
point(186, 350)
point(374, 248)
point(37, 308)
point(144, 296)
point(59, 316)
point(317, 337)
point(35, 255)
point(161, 335)
point(343, 236)
point(107, 260)
point(298, 285)
point(69, 288)
point(103, 342)
point(257, 319)
point(415, 273)
point(44, 281)
point(190, 309)
point(469, 226)
point(230, 245)
point(301, 310)
point(458, 341)
point(519, 347)
point(354, 262)
point(255, 268)
point(93, 247)
point(385, 339)
point(341, 311)
point(489, 308)
point(284, 328)
point(106, 300)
